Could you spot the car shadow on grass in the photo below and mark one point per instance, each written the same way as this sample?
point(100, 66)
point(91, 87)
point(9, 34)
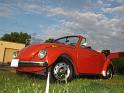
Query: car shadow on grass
point(41, 77)
point(90, 77)
point(31, 75)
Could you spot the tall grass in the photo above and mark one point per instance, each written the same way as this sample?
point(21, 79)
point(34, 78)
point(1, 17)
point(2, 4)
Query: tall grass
point(12, 83)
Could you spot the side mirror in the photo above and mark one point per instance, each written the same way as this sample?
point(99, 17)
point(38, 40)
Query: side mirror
point(84, 44)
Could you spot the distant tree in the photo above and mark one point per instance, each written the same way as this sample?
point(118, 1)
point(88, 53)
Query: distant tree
point(50, 40)
point(19, 37)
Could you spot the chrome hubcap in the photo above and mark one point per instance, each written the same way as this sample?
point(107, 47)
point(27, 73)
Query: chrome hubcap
point(61, 71)
point(109, 74)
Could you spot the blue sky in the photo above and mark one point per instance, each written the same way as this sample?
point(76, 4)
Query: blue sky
point(100, 21)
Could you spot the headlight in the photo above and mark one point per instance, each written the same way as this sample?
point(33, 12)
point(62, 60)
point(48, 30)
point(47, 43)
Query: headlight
point(15, 55)
point(42, 53)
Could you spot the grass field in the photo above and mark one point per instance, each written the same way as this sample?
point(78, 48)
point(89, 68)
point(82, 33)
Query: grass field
point(12, 83)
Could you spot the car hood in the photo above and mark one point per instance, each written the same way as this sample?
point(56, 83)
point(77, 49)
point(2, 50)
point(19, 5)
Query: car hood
point(29, 52)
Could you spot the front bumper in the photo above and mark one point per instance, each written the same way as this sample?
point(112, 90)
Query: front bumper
point(32, 64)
point(18, 63)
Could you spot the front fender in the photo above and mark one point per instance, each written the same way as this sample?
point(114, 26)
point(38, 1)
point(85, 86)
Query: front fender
point(54, 54)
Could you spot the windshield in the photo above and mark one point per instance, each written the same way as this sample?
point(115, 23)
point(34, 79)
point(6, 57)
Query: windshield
point(67, 40)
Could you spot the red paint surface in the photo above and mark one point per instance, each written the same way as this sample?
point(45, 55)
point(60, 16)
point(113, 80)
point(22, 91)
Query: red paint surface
point(116, 55)
point(84, 60)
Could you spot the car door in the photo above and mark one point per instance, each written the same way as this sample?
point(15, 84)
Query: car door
point(89, 60)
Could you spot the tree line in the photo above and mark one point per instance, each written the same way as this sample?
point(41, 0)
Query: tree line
point(20, 37)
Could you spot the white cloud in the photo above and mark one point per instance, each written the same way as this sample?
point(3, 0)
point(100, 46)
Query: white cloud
point(117, 10)
point(5, 10)
point(15, 7)
point(103, 32)
point(118, 1)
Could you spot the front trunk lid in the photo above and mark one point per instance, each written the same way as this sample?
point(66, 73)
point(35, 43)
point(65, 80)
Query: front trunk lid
point(27, 53)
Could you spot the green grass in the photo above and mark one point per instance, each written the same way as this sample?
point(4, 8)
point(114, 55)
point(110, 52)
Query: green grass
point(12, 83)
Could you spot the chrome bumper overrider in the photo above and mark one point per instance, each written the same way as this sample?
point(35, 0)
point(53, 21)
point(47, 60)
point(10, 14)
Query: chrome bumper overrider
point(30, 63)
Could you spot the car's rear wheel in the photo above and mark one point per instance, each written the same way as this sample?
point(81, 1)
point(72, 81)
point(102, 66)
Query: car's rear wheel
point(62, 71)
point(109, 73)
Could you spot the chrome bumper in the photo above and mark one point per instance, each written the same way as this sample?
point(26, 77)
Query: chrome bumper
point(30, 63)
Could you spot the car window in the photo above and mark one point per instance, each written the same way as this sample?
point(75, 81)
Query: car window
point(62, 40)
point(68, 40)
point(72, 41)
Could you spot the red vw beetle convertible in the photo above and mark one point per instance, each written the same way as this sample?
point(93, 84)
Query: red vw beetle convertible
point(65, 58)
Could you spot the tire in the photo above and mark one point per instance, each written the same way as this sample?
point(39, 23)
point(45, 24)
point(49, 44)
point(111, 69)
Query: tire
point(61, 71)
point(109, 73)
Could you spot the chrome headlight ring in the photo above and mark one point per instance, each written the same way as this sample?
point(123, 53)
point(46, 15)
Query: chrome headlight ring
point(42, 53)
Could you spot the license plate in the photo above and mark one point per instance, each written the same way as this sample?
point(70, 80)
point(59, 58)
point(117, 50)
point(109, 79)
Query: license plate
point(14, 63)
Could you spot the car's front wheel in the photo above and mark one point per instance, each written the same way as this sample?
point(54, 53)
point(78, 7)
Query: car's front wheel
point(61, 71)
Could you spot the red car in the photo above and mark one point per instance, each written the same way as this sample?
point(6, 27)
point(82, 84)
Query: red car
point(65, 58)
